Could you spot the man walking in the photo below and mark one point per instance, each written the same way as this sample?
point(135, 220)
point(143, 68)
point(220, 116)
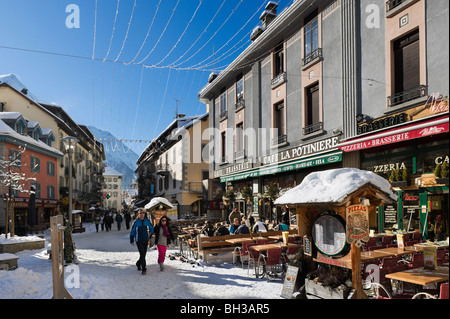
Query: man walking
point(140, 233)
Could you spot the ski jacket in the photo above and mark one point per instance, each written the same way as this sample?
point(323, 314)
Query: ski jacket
point(157, 231)
point(141, 231)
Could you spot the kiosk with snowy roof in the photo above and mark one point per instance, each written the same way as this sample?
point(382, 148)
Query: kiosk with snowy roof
point(334, 208)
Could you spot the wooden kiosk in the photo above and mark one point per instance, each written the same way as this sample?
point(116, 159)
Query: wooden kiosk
point(158, 208)
point(333, 210)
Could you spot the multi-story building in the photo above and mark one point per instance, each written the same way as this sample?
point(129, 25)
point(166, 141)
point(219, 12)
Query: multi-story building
point(112, 189)
point(89, 154)
point(294, 99)
point(28, 160)
point(171, 166)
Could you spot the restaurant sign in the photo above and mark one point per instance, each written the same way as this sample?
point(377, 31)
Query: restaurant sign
point(382, 123)
point(301, 151)
point(357, 224)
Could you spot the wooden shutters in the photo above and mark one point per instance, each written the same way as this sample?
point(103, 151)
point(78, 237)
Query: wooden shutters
point(312, 110)
point(407, 62)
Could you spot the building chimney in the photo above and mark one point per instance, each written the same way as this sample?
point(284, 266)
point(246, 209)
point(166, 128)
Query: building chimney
point(269, 14)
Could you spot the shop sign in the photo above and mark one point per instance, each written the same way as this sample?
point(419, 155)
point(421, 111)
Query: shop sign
point(289, 282)
point(441, 160)
point(388, 167)
point(390, 216)
point(410, 200)
point(301, 151)
point(239, 167)
point(395, 138)
point(382, 123)
point(357, 224)
point(435, 104)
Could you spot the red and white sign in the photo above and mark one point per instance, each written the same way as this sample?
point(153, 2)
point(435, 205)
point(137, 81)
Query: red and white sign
point(395, 137)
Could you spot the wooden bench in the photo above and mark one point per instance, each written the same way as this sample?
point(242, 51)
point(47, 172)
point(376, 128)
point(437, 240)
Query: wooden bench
point(8, 261)
point(215, 244)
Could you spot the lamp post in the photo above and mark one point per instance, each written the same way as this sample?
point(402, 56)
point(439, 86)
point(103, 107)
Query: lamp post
point(69, 144)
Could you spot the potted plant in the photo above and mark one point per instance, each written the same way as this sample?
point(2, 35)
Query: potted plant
point(441, 173)
point(399, 178)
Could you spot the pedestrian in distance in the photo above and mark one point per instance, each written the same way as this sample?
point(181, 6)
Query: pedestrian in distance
point(97, 220)
point(119, 220)
point(127, 219)
point(140, 233)
point(163, 238)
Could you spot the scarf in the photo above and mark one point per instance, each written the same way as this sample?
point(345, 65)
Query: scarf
point(165, 231)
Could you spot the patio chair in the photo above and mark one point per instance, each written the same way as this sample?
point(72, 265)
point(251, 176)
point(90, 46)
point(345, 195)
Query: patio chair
point(262, 241)
point(406, 237)
point(273, 260)
point(373, 242)
point(444, 293)
point(416, 261)
point(242, 252)
point(417, 236)
point(290, 251)
point(441, 256)
point(389, 263)
point(386, 240)
point(412, 242)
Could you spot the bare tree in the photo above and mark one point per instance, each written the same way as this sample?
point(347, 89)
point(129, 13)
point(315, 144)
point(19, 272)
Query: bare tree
point(14, 181)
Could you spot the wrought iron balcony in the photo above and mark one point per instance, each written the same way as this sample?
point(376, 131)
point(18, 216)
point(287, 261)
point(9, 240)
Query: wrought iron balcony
point(279, 140)
point(312, 128)
point(162, 169)
point(406, 96)
point(279, 79)
point(392, 4)
point(316, 54)
point(240, 104)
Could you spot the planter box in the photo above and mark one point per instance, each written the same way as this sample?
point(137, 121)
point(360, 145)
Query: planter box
point(13, 248)
point(317, 291)
point(399, 184)
point(443, 180)
point(8, 261)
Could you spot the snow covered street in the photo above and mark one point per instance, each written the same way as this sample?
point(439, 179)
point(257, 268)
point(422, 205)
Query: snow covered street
point(107, 271)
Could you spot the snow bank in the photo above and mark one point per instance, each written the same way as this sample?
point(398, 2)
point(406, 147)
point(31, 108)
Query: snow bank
point(17, 239)
point(333, 186)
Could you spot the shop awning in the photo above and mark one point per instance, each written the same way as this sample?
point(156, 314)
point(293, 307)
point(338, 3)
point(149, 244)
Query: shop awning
point(405, 133)
point(317, 160)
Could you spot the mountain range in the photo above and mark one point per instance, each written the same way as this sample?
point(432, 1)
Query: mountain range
point(118, 156)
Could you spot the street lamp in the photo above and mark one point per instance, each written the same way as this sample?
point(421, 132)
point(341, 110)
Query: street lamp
point(69, 144)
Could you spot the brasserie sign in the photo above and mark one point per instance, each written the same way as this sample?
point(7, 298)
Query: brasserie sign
point(382, 123)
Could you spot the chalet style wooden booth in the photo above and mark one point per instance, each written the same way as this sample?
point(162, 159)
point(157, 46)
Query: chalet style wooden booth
point(333, 209)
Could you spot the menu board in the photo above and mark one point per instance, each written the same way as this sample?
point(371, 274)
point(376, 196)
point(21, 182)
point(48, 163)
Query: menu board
point(289, 282)
point(390, 216)
point(429, 257)
point(307, 248)
point(329, 234)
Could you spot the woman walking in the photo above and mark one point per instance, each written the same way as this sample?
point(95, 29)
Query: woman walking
point(163, 238)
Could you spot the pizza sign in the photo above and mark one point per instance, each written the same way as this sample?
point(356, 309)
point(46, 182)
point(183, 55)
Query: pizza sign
point(357, 224)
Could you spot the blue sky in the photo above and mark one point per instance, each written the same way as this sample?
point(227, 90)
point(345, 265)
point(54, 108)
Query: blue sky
point(132, 101)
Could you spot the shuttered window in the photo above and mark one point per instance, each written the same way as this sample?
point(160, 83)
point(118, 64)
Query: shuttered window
point(279, 118)
point(312, 110)
point(407, 62)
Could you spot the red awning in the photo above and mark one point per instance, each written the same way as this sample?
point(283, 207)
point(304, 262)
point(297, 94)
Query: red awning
point(401, 134)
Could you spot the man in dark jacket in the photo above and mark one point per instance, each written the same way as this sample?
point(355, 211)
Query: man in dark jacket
point(140, 233)
point(221, 230)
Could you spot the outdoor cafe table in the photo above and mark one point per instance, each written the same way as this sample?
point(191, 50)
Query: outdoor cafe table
point(374, 254)
point(279, 237)
point(266, 247)
point(421, 276)
point(237, 241)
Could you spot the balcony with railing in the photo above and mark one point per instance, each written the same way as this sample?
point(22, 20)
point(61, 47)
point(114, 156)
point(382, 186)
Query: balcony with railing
point(240, 104)
point(278, 80)
point(407, 96)
point(316, 127)
point(281, 139)
point(162, 169)
point(311, 58)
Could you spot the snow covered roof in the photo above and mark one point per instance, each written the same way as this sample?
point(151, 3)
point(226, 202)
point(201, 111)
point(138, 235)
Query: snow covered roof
point(13, 81)
point(6, 131)
point(156, 201)
point(334, 187)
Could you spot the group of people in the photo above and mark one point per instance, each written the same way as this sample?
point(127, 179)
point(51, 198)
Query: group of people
point(141, 233)
point(241, 224)
point(143, 229)
point(106, 220)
